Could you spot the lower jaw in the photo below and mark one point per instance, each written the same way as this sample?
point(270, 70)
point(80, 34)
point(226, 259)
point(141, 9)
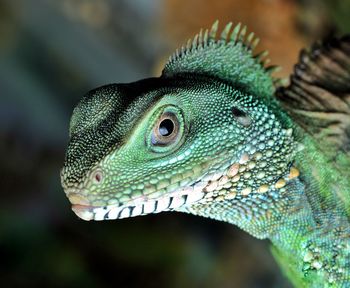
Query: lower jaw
point(176, 200)
point(134, 208)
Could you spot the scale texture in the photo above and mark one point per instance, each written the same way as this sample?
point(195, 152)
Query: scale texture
point(215, 137)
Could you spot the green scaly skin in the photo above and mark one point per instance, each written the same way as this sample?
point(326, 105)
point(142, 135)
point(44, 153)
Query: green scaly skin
point(233, 152)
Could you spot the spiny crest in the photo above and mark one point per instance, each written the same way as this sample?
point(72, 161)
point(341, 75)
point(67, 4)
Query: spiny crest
point(227, 55)
point(208, 37)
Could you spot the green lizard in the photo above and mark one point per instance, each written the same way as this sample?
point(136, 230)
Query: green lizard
point(212, 136)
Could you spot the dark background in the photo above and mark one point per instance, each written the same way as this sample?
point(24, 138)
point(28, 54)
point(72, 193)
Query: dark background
point(51, 53)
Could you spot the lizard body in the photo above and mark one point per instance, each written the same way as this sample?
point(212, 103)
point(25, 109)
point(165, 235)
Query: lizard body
point(214, 138)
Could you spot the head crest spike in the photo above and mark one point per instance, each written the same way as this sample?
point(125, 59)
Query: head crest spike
point(265, 62)
point(280, 82)
point(234, 35)
point(226, 31)
point(261, 56)
point(250, 38)
point(214, 30)
point(229, 58)
point(242, 33)
point(189, 44)
point(205, 37)
point(195, 40)
point(272, 69)
point(200, 38)
point(255, 43)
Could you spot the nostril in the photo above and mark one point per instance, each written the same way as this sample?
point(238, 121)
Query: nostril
point(241, 116)
point(77, 199)
point(97, 177)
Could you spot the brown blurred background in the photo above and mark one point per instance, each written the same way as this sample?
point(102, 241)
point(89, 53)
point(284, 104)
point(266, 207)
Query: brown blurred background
point(51, 53)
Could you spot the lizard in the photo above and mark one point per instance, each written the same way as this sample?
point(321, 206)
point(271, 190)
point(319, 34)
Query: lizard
point(216, 135)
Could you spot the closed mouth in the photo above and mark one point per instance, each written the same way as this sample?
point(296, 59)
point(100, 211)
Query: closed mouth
point(177, 200)
point(141, 206)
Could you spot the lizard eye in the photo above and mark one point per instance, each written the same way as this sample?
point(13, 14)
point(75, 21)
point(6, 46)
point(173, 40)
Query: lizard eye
point(166, 130)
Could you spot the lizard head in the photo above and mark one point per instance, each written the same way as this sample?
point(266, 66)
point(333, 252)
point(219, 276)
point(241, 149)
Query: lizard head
point(200, 134)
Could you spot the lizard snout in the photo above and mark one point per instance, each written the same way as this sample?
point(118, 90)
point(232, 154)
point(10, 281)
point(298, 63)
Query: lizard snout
point(81, 206)
point(78, 199)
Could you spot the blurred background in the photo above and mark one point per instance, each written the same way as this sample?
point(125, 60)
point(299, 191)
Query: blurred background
point(51, 53)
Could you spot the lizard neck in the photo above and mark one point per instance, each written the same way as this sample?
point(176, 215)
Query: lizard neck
point(311, 246)
point(310, 238)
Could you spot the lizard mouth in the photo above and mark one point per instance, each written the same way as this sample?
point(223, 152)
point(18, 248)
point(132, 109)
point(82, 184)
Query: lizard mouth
point(176, 200)
point(139, 206)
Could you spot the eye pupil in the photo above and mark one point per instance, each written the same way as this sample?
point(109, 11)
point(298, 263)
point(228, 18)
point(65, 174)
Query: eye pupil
point(167, 131)
point(166, 127)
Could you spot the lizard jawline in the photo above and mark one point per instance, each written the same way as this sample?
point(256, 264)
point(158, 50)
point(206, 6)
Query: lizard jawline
point(167, 202)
